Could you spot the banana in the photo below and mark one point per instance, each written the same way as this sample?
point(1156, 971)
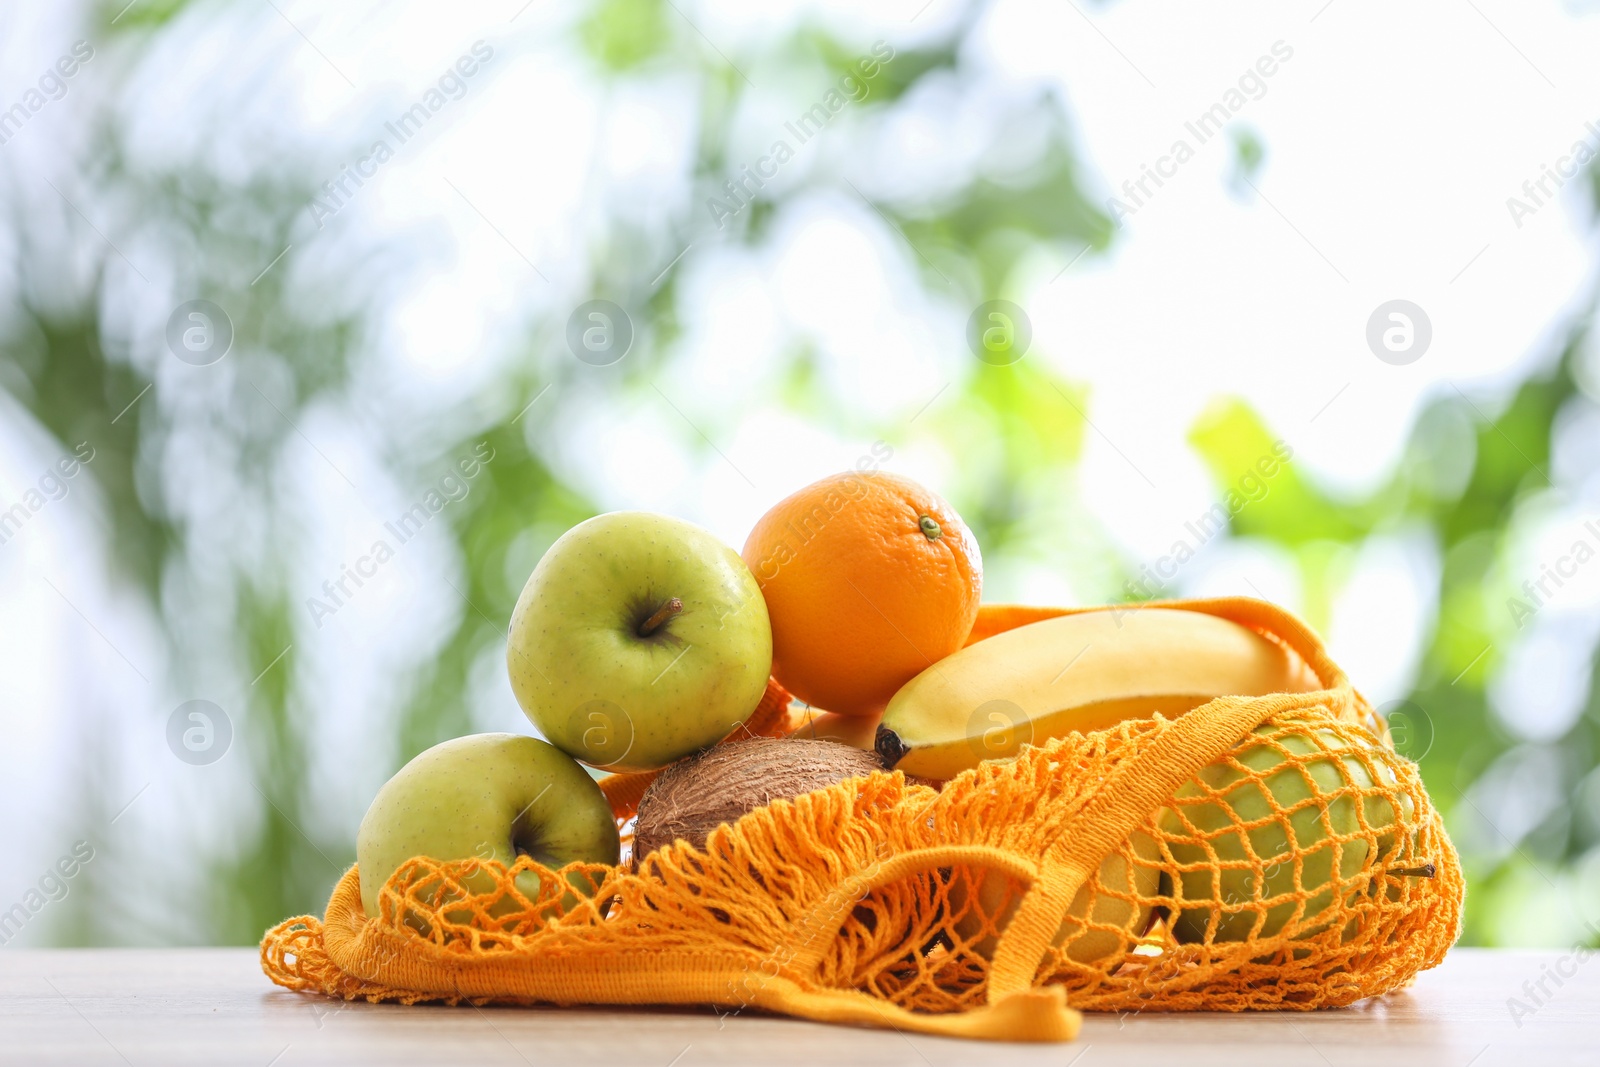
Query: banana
point(1077, 672)
point(857, 731)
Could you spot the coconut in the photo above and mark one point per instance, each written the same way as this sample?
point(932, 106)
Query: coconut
point(696, 795)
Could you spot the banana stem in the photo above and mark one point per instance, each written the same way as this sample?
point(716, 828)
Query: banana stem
point(889, 747)
point(663, 613)
point(1426, 870)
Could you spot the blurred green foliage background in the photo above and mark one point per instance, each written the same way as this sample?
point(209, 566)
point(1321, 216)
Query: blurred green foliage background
point(205, 528)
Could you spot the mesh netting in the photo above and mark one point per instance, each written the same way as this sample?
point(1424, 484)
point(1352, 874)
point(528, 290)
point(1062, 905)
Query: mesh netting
point(1255, 853)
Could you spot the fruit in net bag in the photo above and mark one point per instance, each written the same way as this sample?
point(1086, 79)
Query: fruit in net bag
point(1272, 835)
point(1108, 914)
point(638, 639)
point(486, 797)
point(1076, 673)
point(869, 578)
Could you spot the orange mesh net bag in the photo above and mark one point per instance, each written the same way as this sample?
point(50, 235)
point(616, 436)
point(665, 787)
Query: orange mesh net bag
point(1254, 853)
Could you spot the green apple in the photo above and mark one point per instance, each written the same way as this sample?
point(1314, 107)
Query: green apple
point(1257, 848)
point(639, 639)
point(489, 797)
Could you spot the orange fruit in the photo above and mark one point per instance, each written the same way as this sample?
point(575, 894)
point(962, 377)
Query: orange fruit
point(869, 579)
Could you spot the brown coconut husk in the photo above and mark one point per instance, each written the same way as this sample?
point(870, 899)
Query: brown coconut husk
point(696, 795)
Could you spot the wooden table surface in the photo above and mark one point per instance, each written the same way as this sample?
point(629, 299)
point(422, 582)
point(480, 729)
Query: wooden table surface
point(214, 1006)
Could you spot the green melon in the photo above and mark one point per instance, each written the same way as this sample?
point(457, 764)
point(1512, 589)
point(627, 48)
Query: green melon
point(1258, 864)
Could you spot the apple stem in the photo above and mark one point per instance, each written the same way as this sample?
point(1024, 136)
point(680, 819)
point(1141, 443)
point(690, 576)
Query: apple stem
point(1427, 870)
point(663, 613)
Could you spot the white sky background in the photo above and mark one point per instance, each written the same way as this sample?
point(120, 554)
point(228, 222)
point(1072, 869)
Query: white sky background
point(1393, 137)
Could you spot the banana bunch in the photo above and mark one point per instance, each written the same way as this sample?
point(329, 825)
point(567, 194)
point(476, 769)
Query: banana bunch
point(1075, 673)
